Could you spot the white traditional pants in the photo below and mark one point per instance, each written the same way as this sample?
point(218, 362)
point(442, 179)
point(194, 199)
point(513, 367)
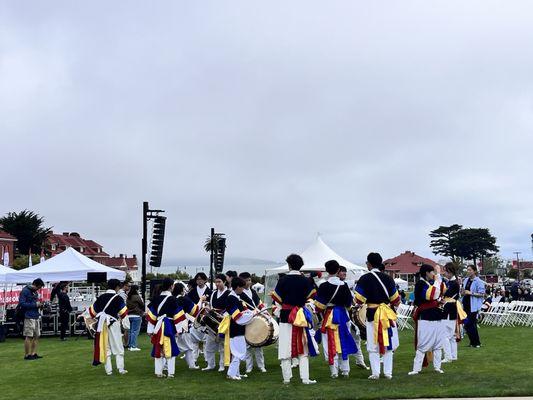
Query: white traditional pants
point(359, 357)
point(115, 347)
point(161, 362)
point(373, 351)
point(256, 352)
point(449, 344)
point(338, 362)
point(429, 335)
point(186, 346)
point(212, 346)
point(196, 336)
point(285, 354)
point(238, 353)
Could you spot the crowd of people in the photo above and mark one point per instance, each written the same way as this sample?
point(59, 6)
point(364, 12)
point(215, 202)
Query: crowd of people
point(309, 312)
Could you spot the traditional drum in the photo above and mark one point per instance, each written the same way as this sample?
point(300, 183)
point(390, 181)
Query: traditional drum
point(210, 320)
point(358, 317)
point(262, 331)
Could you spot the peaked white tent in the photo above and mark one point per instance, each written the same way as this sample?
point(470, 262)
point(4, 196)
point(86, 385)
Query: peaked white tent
point(316, 255)
point(69, 265)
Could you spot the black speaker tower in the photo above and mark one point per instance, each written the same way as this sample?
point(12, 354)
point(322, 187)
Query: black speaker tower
point(158, 237)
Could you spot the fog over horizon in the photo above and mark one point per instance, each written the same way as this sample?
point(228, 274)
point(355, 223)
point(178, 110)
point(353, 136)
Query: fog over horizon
point(371, 123)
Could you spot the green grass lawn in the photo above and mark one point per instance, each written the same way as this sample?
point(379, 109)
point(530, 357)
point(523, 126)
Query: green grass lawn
point(503, 366)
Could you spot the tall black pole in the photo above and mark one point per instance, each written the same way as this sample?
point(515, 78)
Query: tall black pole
point(144, 250)
point(211, 257)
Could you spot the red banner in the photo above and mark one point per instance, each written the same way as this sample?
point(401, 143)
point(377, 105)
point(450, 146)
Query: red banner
point(12, 296)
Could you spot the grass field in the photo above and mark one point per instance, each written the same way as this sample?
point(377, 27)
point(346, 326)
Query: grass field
point(503, 366)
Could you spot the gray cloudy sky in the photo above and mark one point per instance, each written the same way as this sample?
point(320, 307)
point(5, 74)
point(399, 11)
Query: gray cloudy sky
point(371, 122)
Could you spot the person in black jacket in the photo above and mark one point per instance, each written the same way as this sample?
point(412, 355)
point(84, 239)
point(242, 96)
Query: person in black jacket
point(64, 310)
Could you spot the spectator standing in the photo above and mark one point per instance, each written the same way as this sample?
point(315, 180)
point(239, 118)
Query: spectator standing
point(473, 294)
point(30, 305)
point(64, 310)
point(135, 306)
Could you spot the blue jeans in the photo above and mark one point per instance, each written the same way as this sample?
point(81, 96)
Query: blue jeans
point(135, 328)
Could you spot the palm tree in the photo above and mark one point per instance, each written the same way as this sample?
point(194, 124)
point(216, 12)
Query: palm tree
point(211, 243)
point(27, 227)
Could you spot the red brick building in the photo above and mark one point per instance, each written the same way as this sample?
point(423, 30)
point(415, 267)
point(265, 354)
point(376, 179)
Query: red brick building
point(7, 242)
point(89, 248)
point(406, 265)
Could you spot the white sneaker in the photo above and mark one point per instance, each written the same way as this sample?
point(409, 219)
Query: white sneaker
point(286, 382)
point(194, 367)
point(159, 375)
point(208, 369)
point(362, 366)
point(309, 382)
point(345, 374)
point(334, 376)
point(263, 369)
point(440, 371)
point(123, 372)
point(170, 376)
point(221, 369)
point(109, 373)
point(389, 377)
point(412, 373)
point(446, 360)
point(244, 376)
point(373, 377)
point(248, 371)
point(234, 378)
point(135, 349)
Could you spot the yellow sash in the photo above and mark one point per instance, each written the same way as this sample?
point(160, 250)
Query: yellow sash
point(223, 328)
point(103, 343)
point(384, 314)
point(461, 314)
point(164, 341)
point(300, 320)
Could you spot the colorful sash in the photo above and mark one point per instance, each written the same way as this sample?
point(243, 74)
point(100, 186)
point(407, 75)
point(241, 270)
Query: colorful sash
point(301, 320)
point(383, 322)
point(101, 336)
point(340, 341)
point(461, 316)
point(223, 333)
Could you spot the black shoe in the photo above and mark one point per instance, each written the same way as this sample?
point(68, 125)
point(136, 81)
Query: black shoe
point(29, 358)
point(36, 356)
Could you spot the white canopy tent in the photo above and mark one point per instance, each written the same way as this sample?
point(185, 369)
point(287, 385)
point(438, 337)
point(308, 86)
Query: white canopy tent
point(4, 271)
point(315, 256)
point(401, 283)
point(69, 265)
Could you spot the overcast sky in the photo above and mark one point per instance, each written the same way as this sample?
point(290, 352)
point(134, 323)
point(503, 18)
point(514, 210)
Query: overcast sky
point(370, 122)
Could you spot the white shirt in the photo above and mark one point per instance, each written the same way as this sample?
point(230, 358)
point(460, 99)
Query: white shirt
point(200, 290)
